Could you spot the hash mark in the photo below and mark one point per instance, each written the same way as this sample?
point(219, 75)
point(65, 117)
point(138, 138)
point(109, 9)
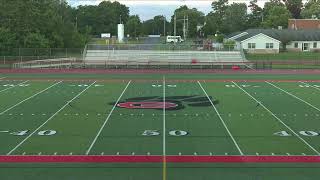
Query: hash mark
point(257, 154)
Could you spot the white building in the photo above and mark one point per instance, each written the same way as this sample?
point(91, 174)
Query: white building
point(271, 40)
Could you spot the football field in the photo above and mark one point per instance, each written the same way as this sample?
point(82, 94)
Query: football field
point(160, 117)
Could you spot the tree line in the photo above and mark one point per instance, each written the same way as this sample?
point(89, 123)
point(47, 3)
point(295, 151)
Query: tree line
point(55, 24)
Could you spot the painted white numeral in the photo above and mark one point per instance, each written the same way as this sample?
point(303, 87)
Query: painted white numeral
point(304, 86)
point(159, 85)
point(151, 133)
point(309, 133)
point(178, 133)
point(172, 85)
point(47, 133)
point(23, 85)
point(83, 85)
point(20, 133)
point(6, 85)
point(282, 133)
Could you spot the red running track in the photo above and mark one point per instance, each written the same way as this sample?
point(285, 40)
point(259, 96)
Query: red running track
point(159, 159)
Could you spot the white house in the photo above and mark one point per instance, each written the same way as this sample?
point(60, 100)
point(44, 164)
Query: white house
point(272, 40)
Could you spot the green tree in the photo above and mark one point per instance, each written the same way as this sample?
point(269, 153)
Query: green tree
point(46, 22)
point(133, 26)
point(277, 16)
point(311, 10)
point(7, 38)
point(219, 9)
point(36, 40)
point(270, 5)
point(155, 26)
point(194, 17)
point(294, 6)
point(238, 11)
point(256, 15)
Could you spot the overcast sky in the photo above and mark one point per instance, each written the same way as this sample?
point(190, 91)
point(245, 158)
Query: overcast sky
point(147, 9)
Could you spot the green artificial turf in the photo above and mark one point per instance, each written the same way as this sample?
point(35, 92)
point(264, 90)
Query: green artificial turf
point(81, 117)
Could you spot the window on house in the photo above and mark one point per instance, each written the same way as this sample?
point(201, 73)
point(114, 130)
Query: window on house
point(314, 45)
point(296, 45)
point(269, 45)
point(251, 45)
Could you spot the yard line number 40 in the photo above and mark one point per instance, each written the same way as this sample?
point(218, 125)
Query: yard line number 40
point(40, 133)
point(304, 133)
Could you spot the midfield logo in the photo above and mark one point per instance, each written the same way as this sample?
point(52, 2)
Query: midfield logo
point(171, 103)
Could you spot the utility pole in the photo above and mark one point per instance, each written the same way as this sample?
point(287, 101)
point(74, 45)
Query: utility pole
point(175, 25)
point(187, 27)
point(184, 27)
point(164, 26)
point(77, 23)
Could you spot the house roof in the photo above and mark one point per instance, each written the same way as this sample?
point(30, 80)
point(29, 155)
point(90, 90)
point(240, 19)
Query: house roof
point(304, 24)
point(281, 35)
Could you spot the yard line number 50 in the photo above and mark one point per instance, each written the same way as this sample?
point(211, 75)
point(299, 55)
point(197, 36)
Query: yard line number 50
point(171, 133)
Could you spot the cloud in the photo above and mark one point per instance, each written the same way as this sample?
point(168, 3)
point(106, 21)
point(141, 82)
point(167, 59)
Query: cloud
point(147, 9)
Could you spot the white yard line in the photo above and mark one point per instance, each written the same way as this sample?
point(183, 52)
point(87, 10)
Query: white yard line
point(36, 130)
point(310, 85)
point(13, 86)
point(276, 117)
point(224, 124)
point(293, 96)
point(107, 119)
point(164, 118)
point(29, 98)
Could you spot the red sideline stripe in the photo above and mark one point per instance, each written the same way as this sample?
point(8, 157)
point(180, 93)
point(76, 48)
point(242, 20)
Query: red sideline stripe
point(145, 71)
point(159, 159)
